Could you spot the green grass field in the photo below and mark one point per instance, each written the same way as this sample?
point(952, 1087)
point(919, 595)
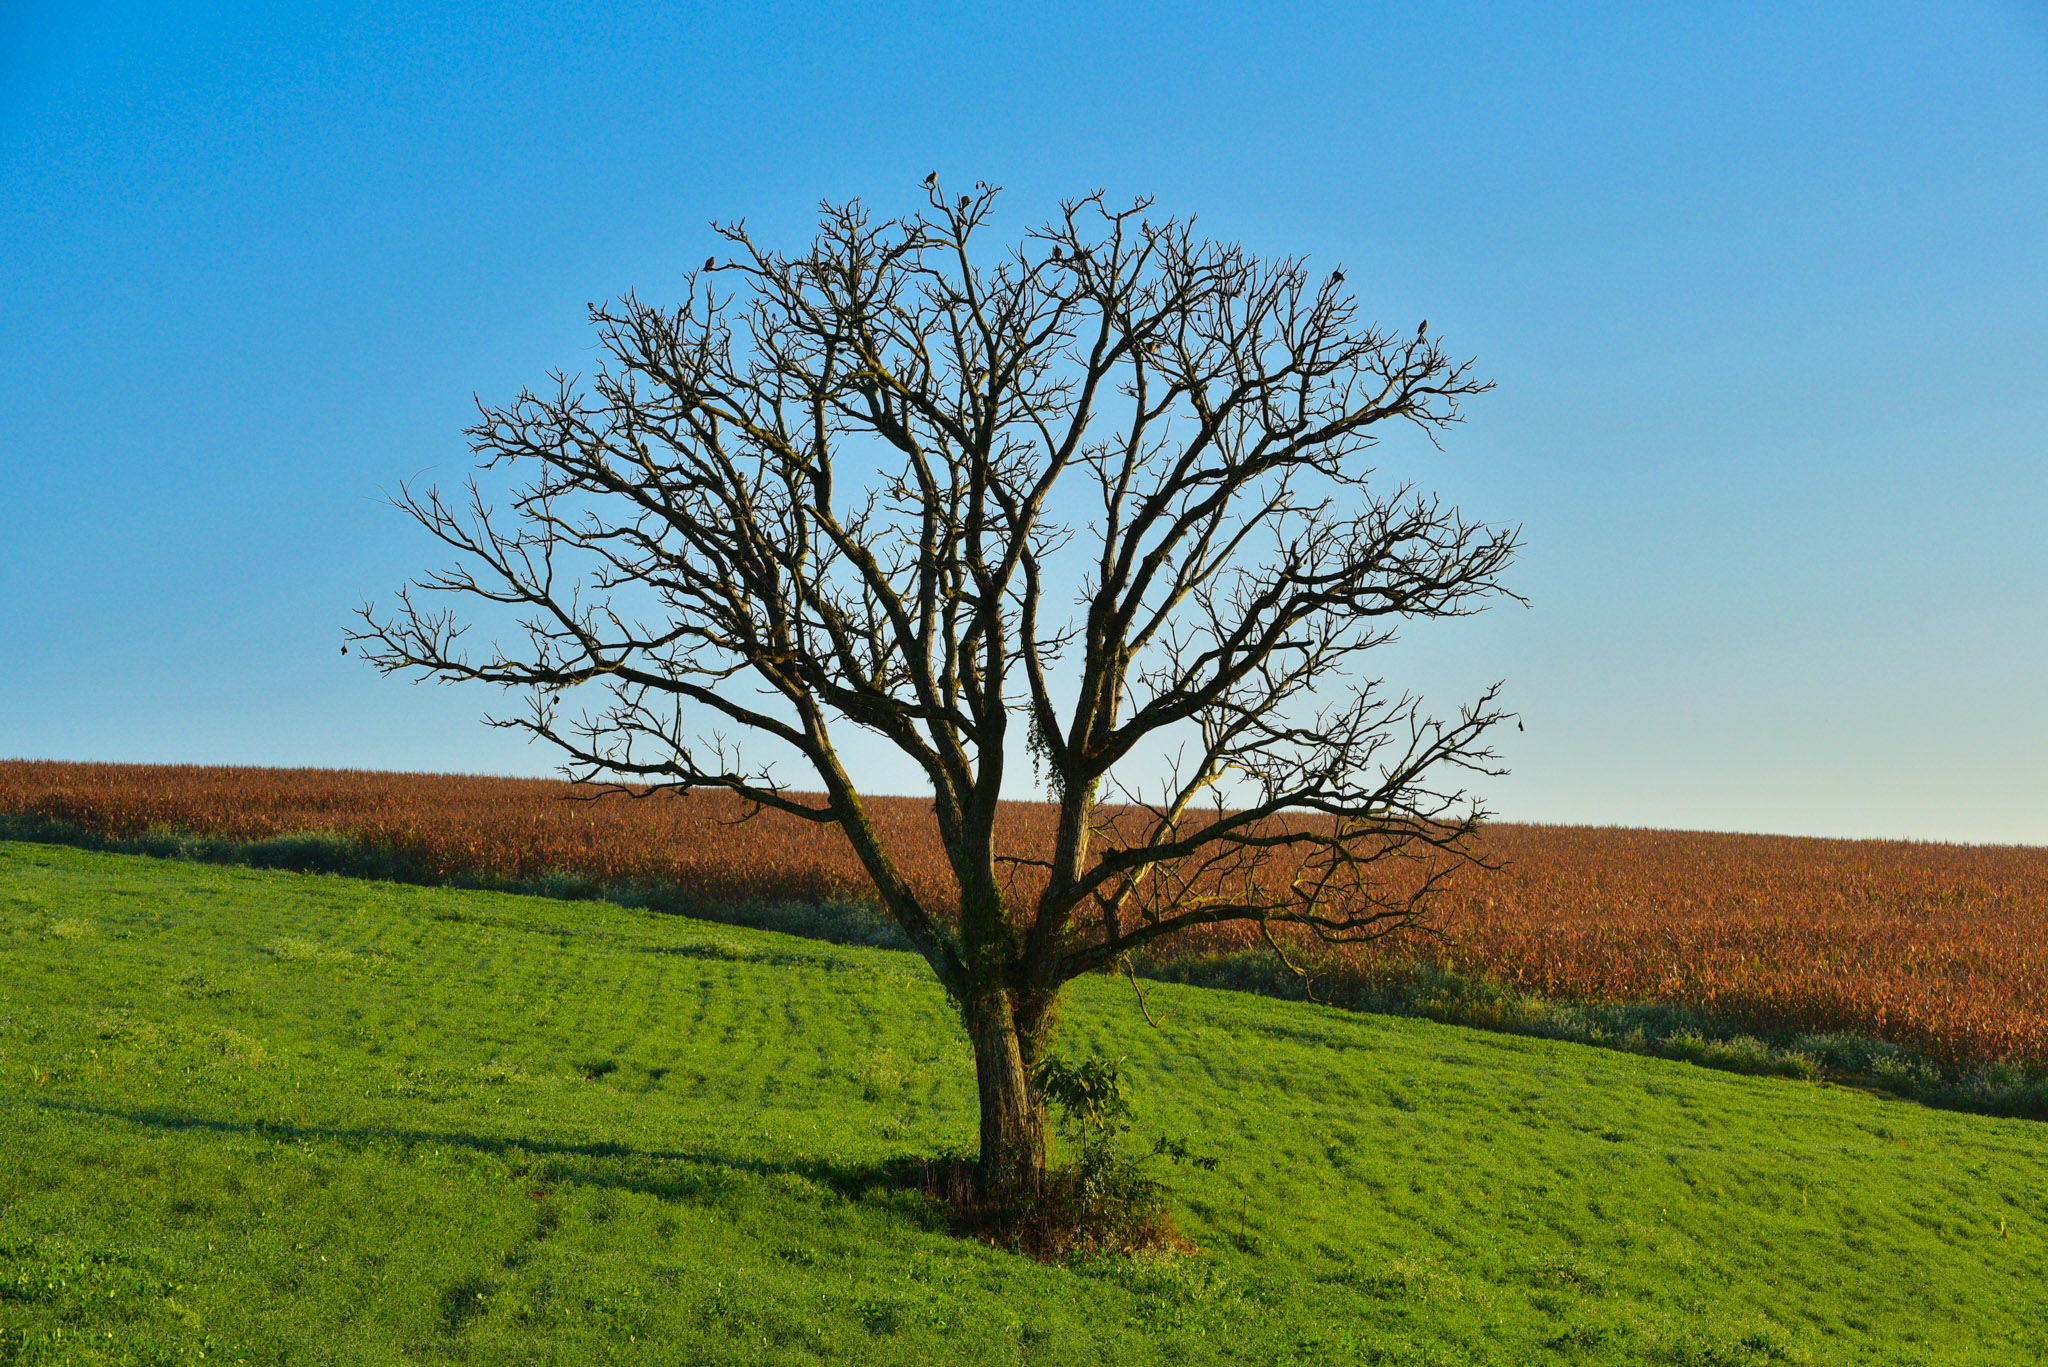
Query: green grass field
point(291, 1119)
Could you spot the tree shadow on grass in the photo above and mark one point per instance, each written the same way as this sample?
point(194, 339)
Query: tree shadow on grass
point(666, 1174)
point(1080, 1213)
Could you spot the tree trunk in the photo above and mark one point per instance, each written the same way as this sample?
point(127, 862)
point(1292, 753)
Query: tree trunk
point(1012, 1121)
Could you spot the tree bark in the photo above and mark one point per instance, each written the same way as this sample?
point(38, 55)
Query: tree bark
point(1012, 1120)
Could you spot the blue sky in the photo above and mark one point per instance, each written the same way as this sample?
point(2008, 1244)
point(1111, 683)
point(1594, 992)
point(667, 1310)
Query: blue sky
point(1765, 289)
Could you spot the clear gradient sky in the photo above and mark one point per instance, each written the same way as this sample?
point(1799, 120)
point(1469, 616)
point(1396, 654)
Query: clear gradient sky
point(1765, 289)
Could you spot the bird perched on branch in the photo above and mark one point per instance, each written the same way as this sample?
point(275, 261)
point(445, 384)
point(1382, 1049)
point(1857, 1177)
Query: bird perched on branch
point(710, 262)
point(931, 180)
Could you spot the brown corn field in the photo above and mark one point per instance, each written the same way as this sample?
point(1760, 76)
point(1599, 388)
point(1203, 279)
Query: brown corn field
point(1940, 947)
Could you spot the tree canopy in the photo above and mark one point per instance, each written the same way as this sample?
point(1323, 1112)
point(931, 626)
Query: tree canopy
point(1098, 498)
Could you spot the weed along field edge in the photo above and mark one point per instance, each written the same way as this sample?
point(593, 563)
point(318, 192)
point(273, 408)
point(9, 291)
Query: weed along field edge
point(277, 1117)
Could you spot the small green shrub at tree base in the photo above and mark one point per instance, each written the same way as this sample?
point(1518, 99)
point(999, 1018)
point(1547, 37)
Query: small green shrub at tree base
point(1098, 1202)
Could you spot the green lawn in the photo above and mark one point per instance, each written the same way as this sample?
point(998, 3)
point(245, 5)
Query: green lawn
point(300, 1119)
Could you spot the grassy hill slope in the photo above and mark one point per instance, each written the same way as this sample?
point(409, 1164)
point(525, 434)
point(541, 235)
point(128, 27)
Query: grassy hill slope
point(303, 1119)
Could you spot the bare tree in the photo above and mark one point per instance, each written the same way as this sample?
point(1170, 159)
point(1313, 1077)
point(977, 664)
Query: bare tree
point(1107, 489)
